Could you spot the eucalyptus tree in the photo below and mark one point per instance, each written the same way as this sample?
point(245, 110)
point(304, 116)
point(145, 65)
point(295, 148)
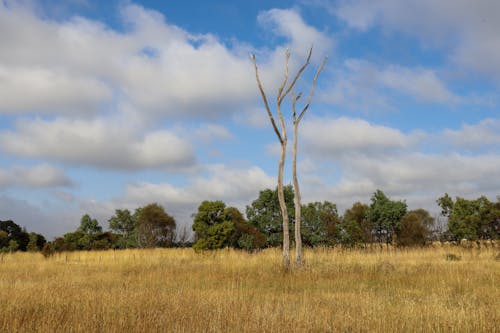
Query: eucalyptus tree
point(299, 261)
point(284, 90)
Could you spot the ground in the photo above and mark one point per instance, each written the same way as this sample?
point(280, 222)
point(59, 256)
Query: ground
point(178, 290)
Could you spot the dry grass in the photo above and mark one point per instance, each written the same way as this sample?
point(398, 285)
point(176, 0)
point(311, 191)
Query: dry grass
point(176, 290)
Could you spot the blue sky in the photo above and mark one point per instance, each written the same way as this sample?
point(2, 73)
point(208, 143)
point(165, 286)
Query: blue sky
point(116, 104)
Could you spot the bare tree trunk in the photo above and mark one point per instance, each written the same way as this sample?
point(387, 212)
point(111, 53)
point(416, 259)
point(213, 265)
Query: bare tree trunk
point(299, 260)
point(284, 211)
point(283, 91)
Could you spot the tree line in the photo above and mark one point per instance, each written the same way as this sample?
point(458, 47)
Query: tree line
point(216, 225)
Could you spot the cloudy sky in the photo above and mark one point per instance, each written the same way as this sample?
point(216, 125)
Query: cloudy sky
point(116, 104)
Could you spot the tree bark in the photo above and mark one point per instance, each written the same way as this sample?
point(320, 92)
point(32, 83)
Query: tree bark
point(281, 133)
point(299, 260)
point(284, 211)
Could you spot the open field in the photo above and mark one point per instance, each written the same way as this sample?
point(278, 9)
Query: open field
point(177, 290)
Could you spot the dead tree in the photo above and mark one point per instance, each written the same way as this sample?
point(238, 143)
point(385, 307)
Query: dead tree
point(299, 261)
point(281, 133)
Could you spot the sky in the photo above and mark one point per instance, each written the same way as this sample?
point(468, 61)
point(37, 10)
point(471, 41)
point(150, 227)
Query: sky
point(115, 104)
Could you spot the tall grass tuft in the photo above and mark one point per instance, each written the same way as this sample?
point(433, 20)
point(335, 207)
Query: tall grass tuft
point(177, 290)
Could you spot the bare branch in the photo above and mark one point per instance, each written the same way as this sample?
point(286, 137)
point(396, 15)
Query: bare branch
point(285, 79)
point(292, 84)
point(295, 98)
point(313, 85)
point(263, 94)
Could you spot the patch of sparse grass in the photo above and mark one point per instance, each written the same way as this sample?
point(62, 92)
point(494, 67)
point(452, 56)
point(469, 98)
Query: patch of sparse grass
point(452, 257)
point(177, 290)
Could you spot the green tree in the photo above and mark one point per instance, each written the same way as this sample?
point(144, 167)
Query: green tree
point(244, 235)
point(490, 226)
point(385, 215)
point(425, 217)
point(13, 245)
point(76, 240)
point(212, 226)
point(155, 228)
point(32, 245)
point(124, 224)
point(16, 233)
point(471, 219)
point(4, 239)
point(90, 229)
point(320, 223)
point(356, 226)
point(264, 214)
point(446, 204)
point(217, 226)
point(414, 229)
point(89, 225)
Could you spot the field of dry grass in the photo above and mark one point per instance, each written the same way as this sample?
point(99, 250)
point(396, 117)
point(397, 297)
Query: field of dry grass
point(177, 290)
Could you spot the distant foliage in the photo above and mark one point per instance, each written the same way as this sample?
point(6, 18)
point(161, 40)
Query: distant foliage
point(13, 237)
point(385, 216)
point(155, 228)
point(471, 219)
point(413, 230)
point(265, 215)
point(217, 226)
point(123, 223)
point(356, 228)
point(321, 224)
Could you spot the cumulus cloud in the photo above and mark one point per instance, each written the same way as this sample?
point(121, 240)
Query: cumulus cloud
point(331, 137)
point(484, 134)
point(209, 132)
point(223, 183)
point(98, 143)
point(345, 160)
point(234, 186)
point(415, 177)
point(27, 215)
point(253, 117)
point(38, 176)
point(469, 29)
point(159, 67)
point(415, 172)
point(421, 84)
point(289, 23)
point(361, 85)
point(49, 91)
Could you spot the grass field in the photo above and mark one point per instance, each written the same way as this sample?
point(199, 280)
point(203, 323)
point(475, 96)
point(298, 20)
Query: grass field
point(177, 290)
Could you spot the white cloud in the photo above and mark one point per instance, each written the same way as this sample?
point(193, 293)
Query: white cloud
point(209, 132)
point(71, 67)
point(38, 176)
point(414, 172)
point(49, 91)
point(99, 143)
point(253, 117)
point(33, 217)
point(421, 84)
point(159, 67)
point(235, 186)
point(415, 177)
point(348, 159)
point(468, 28)
point(223, 183)
point(361, 85)
point(484, 134)
point(330, 137)
point(289, 23)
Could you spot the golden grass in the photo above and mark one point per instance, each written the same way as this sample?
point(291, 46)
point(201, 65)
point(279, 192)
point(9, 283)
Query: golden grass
point(177, 290)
